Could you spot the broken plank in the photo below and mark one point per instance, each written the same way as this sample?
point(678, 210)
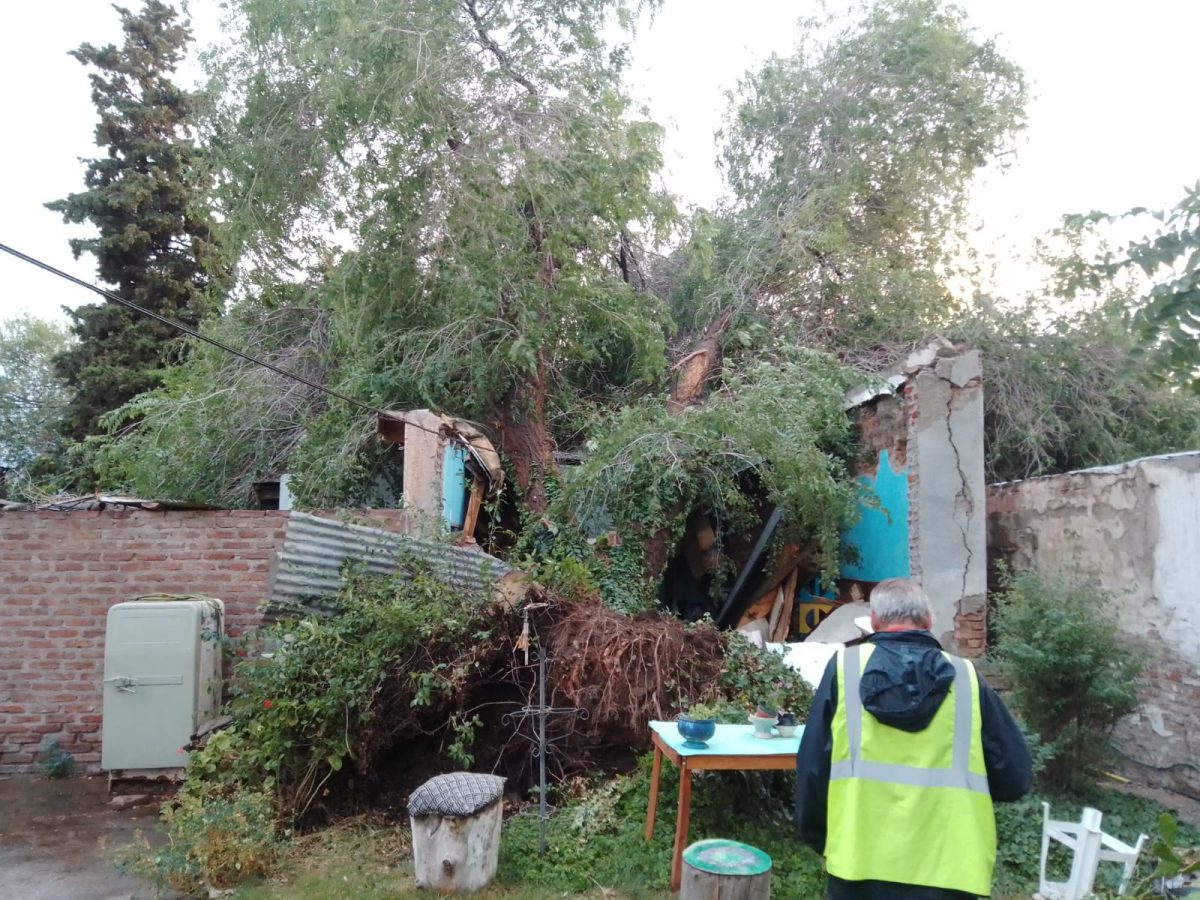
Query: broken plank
point(784, 626)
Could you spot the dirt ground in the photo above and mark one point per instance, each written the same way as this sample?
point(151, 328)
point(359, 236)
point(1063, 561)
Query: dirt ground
point(1186, 808)
point(57, 840)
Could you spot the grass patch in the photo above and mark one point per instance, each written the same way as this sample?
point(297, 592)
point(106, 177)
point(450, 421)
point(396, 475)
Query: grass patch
point(366, 858)
point(596, 848)
point(597, 838)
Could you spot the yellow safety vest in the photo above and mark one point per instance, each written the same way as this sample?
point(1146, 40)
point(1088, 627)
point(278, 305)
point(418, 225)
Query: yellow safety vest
point(910, 807)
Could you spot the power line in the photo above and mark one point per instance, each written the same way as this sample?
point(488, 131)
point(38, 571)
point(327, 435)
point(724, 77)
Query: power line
point(179, 326)
point(24, 257)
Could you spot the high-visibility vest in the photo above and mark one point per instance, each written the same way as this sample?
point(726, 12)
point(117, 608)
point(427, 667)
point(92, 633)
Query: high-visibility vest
point(910, 807)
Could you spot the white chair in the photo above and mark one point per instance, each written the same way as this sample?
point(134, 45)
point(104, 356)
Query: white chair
point(1090, 846)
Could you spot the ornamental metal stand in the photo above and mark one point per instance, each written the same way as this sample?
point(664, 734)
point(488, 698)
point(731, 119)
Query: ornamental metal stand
point(543, 744)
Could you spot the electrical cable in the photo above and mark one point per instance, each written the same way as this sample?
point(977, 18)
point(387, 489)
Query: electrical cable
point(179, 326)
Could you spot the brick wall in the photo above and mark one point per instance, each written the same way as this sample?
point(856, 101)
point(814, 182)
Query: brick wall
point(61, 571)
point(970, 632)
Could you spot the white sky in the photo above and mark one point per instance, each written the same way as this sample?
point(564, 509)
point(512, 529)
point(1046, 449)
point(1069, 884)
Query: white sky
point(1111, 124)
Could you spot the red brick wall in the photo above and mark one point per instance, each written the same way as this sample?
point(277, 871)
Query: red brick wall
point(970, 632)
point(61, 571)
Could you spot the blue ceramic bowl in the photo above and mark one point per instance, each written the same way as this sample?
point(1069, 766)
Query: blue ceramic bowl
point(695, 732)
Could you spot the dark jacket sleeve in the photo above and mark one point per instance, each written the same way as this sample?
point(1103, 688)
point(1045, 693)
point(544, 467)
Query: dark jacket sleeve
point(1005, 753)
point(812, 762)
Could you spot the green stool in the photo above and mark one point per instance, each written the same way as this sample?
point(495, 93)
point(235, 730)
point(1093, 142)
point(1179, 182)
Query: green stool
point(725, 870)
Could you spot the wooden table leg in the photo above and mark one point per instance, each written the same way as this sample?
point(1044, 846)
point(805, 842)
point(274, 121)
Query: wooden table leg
point(681, 823)
point(652, 805)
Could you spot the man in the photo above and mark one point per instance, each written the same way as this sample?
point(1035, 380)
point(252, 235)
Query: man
point(905, 749)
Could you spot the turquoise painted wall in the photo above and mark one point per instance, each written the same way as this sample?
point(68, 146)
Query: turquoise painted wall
point(881, 535)
point(454, 486)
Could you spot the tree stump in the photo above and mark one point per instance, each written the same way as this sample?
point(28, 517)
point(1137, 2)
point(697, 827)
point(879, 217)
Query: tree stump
point(725, 870)
point(456, 822)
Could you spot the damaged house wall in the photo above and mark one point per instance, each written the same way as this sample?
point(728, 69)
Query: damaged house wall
point(922, 457)
point(1135, 529)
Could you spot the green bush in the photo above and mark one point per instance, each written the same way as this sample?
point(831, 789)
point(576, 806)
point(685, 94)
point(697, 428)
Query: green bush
point(751, 676)
point(214, 841)
point(1071, 674)
point(398, 657)
point(55, 761)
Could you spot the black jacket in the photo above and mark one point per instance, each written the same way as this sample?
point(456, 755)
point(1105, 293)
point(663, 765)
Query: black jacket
point(903, 685)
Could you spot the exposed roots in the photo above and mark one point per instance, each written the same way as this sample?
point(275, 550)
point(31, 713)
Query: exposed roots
point(626, 671)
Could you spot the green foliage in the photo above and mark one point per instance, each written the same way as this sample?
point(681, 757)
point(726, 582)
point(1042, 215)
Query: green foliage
point(849, 163)
point(1071, 674)
point(782, 419)
point(1167, 314)
point(218, 423)
point(32, 396)
point(155, 245)
point(468, 187)
point(214, 842)
point(597, 846)
point(574, 566)
point(751, 675)
point(55, 761)
point(1019, 833)
point(1171, 859)
point(597, 839)
point(1068, 390)
point(337, 692)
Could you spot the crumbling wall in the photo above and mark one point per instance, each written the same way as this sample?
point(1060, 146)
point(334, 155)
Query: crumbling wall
point(922, 456)
point(61, 571)
point(1135, 528)
point(881, 535)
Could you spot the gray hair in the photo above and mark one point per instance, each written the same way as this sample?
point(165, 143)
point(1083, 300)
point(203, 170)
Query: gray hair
point(897, 601)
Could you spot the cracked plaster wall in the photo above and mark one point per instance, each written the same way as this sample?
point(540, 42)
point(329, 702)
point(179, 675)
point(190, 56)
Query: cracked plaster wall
point(948, 539)
point(1135, 528)
point(930, 433)
point(424, 448)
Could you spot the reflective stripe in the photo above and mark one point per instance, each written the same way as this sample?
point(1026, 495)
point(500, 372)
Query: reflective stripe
point(851, 679)
point(961, 761)
point(893, 773)
point(959, 775)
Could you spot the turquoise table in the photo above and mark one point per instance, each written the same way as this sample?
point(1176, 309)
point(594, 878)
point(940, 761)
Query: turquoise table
point(733, 747)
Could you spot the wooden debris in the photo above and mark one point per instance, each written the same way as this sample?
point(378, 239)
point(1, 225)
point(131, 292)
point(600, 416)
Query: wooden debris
point(478, 488)
point(784, 626)
point(759, 609)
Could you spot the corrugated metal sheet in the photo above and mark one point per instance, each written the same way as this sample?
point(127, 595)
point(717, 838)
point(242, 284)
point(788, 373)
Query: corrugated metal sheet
point(315, 549)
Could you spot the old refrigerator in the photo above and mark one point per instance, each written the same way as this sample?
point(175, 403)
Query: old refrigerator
point(162, 677)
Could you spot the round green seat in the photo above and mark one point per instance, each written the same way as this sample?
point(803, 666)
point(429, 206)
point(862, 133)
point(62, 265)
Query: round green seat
point(722, 857)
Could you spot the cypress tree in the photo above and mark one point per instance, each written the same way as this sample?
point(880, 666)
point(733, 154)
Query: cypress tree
point(147, 202)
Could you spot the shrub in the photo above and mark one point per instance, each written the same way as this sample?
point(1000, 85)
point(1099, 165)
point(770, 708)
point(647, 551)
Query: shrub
point(55, 761)
point(214, 841)
point(751, 676)
point(1071, 674)
point(400, 657)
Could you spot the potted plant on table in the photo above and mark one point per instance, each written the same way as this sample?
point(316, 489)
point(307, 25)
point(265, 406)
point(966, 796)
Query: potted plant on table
point(789, 700)
point(697, 724)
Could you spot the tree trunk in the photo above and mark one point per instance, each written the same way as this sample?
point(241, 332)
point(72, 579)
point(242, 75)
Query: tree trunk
point(525, 439)
point(693, 372)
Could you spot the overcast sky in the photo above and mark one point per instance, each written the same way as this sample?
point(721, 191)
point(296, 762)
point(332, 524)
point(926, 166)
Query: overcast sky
point(1112, 123)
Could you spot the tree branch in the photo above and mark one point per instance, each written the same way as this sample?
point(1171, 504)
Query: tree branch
point(495, 49)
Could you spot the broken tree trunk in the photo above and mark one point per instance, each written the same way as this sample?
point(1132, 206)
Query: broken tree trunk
point(692, 374)
point(699, 365)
